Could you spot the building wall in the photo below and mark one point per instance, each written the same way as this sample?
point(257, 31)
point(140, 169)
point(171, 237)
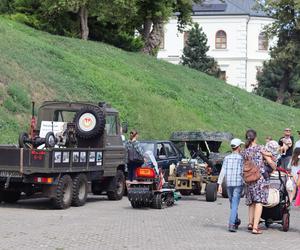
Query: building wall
point(241, 57)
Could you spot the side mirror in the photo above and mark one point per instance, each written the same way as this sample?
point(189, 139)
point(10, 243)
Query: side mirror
point(162, 157)
point(124, 126)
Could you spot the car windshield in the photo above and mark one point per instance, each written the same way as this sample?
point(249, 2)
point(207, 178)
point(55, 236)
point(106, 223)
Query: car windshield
point(147, 146)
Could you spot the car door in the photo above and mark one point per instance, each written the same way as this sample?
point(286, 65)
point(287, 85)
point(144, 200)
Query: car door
point(172, 154)
point(161, 157)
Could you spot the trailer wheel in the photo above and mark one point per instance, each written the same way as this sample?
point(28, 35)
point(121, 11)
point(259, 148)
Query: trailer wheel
point(157, 201)
point(23, 140)
point(286, 222)
point(211, 191)
point(10, 196)
point(90, 122)
point(116, 187)
point(63, 193)
point(80, 190)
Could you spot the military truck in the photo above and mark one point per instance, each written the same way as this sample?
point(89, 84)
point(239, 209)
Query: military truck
point(75, 148)
point(204, 149)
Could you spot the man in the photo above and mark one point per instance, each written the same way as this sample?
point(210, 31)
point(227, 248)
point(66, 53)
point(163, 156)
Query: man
point(232, 170)
point(287, 155)
point(134, 154)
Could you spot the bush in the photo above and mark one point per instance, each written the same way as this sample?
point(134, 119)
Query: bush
point(10, 105)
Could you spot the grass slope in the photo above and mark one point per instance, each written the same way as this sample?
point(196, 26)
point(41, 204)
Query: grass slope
point(155, 97)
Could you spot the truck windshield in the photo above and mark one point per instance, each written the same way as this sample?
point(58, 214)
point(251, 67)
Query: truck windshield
point(64, 116)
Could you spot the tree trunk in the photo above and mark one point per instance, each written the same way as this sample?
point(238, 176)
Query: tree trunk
point(84, 28)
point(146, 29)
point(282, 89)
point(154, 39)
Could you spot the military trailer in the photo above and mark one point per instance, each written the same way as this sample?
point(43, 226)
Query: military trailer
point(205, 165)
point(74, 149)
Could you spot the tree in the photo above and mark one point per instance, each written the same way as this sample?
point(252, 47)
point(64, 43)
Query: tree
point(194, 53)
point(279, 79)
point(152, 15)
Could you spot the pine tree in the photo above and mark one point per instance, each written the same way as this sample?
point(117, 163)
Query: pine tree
point(194, 53)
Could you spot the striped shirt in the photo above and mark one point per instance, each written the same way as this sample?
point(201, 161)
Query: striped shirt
point(232, 170)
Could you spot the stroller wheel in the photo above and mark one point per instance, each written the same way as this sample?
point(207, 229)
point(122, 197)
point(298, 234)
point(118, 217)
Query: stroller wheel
point(286, 222)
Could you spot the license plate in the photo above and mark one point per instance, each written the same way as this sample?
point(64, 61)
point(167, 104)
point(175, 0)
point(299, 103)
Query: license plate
point(9, 174)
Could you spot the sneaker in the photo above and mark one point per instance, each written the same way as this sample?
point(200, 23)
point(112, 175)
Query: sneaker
point(237, 223)
point(232, 228)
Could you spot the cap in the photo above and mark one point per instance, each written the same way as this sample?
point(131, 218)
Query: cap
point(273, 147)
point(236, 142)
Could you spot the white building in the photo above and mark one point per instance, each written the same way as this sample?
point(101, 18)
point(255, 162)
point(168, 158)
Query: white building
point(234, 32)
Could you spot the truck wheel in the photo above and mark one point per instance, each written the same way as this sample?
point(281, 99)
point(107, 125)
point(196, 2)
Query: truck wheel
point(157, 201)
point(116, 187)
point(90, 122)
point(63, 193)
point(211, 191)
point(80, 187)
point(224, 190)
point(185, 192)
point(10, 196)
point(197, 190)
point(50, 140)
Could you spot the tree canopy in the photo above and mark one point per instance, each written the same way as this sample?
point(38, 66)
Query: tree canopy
point(279, 79)
point(194, 53)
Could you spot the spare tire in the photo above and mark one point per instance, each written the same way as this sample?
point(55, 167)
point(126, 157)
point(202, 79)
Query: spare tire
point(90, 122)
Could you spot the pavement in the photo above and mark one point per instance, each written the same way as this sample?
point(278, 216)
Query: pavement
point(192, 223)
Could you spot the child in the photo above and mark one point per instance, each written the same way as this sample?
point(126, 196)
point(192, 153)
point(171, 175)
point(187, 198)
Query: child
point(286, 144)
point(272, 149)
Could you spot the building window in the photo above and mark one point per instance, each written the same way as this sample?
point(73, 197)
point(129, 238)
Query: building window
point(221, 40)
point(162, 43)
point(262, 42)
point(185, 38)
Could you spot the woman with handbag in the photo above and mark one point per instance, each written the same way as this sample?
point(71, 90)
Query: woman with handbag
point(256, 185)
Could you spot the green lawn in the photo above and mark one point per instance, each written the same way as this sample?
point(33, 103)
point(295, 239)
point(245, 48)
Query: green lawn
point(154, 96)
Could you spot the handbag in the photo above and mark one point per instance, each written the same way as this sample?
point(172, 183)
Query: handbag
point(273, 198)
point(251, 172)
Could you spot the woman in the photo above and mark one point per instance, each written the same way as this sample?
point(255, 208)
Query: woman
point(257, 191)
point(294, 165)
point(134, 154)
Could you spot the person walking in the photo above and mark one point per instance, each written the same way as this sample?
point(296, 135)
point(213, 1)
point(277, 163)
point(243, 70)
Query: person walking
point(134, 154)
point(256, 191)
point(286, 142)
point(294, 165)
point(232, 169)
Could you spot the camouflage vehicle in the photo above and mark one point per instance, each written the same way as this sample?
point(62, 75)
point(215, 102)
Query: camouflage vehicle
point(75, 148)
point(206, 165)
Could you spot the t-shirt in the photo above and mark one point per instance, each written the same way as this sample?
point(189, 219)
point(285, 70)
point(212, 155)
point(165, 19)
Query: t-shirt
point(289, 152)
point(297, 144)
point(294, 171)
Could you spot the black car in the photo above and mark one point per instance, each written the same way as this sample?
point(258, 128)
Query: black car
point(165, 153)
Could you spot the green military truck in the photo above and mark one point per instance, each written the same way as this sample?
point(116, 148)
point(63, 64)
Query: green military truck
point(74, 149)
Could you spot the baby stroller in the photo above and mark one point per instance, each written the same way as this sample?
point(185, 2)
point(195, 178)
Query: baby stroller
point(280, 212)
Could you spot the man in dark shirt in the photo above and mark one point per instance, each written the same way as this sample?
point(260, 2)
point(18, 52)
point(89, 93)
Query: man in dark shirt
point(285, 158)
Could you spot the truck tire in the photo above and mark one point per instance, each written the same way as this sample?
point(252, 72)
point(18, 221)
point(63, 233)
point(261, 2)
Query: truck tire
point(10, 196)
point(116, 187)
point(185, 192)
point(90, 122)
point(211, 192)
point(80, 190)
point(197, 190)
point(63, 193)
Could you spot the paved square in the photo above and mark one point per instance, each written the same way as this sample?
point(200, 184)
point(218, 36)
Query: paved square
point(101, 224)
